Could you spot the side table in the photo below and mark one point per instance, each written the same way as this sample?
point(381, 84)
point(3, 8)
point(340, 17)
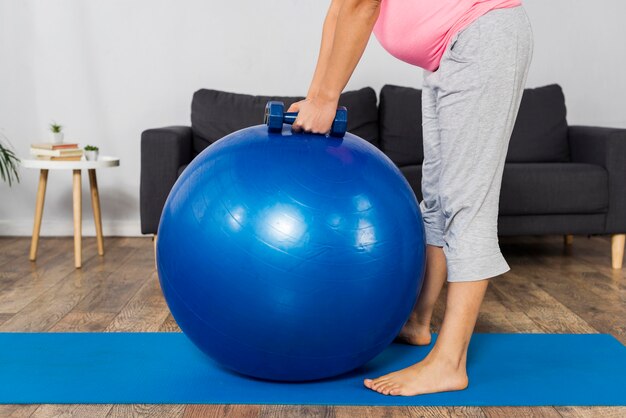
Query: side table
point(76, 167)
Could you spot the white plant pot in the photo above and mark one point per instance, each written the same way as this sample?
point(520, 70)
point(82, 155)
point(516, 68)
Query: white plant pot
point(91, 155)
point(56, 137)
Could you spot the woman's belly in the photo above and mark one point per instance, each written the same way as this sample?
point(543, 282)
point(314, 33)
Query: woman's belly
point(418, 31)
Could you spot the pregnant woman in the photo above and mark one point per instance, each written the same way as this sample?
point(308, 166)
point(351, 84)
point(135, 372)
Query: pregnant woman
point(475, 55)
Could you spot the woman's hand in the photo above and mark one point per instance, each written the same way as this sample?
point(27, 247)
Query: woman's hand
point(315, 115)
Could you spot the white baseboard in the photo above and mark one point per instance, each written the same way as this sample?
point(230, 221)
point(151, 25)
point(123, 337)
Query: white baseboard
point(66, 228)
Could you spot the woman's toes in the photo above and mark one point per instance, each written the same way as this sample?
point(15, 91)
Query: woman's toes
point(382, 384)
point(384, 389)
point(377, 383)
point(387, 391)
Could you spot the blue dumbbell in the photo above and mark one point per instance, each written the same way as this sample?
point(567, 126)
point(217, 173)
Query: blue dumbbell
point(275, 116)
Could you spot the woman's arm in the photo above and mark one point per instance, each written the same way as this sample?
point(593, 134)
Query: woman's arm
point(338, 58)
point(328, 34)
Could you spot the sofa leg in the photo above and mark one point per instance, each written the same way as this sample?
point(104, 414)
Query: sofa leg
point(154, 240)
point(617, 250)
point(568, 239)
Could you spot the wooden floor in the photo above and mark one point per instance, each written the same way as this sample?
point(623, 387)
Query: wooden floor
point(551, 288)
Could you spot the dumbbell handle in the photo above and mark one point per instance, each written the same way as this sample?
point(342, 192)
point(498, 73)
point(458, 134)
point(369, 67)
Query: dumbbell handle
point(290, 117)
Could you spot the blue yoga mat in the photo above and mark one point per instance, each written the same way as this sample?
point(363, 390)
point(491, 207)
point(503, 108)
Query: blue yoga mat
point(504, 370)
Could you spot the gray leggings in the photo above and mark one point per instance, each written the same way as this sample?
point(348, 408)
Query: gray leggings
point(469, 106)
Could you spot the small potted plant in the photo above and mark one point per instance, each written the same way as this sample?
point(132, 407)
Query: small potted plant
point(91, 153)
point(56, 133)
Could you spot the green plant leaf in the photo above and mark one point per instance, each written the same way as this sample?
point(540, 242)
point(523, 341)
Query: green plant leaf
point(8, 165)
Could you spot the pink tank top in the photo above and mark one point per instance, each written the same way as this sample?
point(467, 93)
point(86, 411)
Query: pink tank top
point(418, 31)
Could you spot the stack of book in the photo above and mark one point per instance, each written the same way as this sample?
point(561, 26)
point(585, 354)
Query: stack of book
point(56, 152)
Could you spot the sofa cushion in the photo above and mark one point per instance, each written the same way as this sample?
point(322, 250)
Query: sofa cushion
point(400, 124)
point(215, 114)
point(539, 135)
point(540, 132)
point(553, 188)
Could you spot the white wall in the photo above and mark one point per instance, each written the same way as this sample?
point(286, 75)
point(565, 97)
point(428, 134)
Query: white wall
point(110, 69)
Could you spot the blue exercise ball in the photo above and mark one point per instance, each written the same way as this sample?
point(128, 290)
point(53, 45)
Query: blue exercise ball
point(291, 256)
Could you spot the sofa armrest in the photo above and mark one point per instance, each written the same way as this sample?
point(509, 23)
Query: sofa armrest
point(605, 147)
point(163, 151)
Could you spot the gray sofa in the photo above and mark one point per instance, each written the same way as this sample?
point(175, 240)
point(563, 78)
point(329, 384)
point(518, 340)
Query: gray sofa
point(558, 179)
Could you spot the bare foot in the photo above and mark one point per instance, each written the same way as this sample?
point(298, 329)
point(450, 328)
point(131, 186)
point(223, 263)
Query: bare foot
point(414, 333)
point(428, 376)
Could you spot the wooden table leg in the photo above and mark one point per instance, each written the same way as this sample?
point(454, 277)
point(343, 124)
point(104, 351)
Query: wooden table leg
point(41, 195)
point(95, 204)
point(568, 239)
point(77, 219)
point(618, 241)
